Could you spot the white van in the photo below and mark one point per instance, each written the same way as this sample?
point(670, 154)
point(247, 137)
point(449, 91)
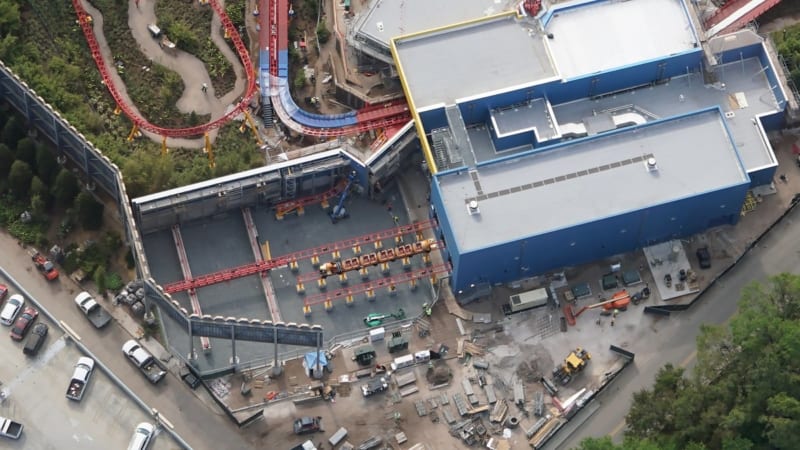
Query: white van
point(142, 436)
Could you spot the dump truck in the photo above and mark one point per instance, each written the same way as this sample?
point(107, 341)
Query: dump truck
point(80, 378)
point(152, 369)
point(574, 363)
point(10, 429)
point(92, 310)
point(45, 266)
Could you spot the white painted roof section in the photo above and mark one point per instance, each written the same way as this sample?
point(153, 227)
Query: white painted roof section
point(734, 17)
point(387, 19)
point(601, 36)
point(495, 55)
point(590, 180)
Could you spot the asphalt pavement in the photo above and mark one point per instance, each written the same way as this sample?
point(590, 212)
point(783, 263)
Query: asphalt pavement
point(194, 417)
point(776, 253)
point(35, 388)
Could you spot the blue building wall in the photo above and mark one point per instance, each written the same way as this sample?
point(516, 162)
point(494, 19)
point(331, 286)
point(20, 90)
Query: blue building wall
point(445, 230)
point(622, 78)
point(599, 239)
point(433, 119)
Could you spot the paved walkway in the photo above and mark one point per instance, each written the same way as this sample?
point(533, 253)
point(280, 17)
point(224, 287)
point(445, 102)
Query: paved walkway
point(191, 69)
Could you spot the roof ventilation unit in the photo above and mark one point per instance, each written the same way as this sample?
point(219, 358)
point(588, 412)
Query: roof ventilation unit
point(472, 207)
point(650, 164)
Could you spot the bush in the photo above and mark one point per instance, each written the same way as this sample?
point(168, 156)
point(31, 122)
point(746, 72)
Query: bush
point(100, 279)
point(90, 211)
point(300, 80)
point(323, 35)
point(114, 282)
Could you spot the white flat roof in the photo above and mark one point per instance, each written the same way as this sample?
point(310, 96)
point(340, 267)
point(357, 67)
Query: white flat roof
point(387, 19)
point(590, 179)
point(600, 36)
point(482, 57)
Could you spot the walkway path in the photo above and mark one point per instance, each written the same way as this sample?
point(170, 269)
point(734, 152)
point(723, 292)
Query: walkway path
point(191, 69)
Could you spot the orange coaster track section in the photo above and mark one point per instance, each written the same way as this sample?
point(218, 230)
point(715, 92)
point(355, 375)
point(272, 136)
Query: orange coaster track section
point(84, 19)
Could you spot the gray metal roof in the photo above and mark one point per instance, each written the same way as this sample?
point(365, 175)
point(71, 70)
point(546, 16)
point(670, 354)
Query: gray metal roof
point(607, 35)
point(387, 19)
point(589, 180)
point(468, 60)
point(744, 80)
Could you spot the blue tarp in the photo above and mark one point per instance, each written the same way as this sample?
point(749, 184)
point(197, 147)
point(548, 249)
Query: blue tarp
point(311, 359)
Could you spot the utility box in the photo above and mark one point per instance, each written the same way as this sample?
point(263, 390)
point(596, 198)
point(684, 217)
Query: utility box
point(403, 361)
point(536, 298)
point(377, 334)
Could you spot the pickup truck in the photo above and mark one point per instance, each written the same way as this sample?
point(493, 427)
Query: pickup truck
point(147, 364)
point(92, 310)
point(80, 378)
point(10, 429)
point(374, 386)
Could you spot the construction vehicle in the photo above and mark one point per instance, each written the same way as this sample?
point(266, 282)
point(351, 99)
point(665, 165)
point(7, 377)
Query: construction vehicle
point(574, 363)
point(377, 319)
point(618, 301)
point(640, 296)
point(45, 266)
point(339, 212)
point(373, 259)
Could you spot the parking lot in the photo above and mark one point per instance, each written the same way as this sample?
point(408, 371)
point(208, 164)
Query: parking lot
point(35, 389)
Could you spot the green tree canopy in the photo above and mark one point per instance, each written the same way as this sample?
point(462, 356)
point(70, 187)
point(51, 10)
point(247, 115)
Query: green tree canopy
point(6, 159)
point(19, 178)
point(26, 151)
point(46, 165)
point(745, 390)
point(65, 188)
point(90, 211)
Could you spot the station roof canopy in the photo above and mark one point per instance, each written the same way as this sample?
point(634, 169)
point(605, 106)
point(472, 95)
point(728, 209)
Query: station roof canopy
point(590, 179)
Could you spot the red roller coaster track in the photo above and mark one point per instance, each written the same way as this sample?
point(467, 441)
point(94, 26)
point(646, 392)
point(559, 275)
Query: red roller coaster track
point(86, 25)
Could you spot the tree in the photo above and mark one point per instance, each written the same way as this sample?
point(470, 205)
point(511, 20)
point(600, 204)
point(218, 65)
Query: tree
point(26, 151)
point(13, 131)
point(38, 205)
point(100, 279)
point(744, 392)
point(65, 188)
point(46, 164)
point(39, 189)
point(6, 159)
point(90, 212)
point(19, 178)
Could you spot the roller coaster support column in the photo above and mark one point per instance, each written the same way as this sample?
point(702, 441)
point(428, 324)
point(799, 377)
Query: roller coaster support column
point(249, 121)
point(164, 148)
point(134, 132)
point(209, 151)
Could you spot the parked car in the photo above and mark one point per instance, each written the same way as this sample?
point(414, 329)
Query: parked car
point(307, 424)
point(11, 309)
point(704, 258)
point(3, 291)
point(23, 323)
point(36, 339)
point(142, 436)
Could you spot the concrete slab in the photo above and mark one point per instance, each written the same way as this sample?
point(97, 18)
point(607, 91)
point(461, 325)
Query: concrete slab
point(669, 258)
